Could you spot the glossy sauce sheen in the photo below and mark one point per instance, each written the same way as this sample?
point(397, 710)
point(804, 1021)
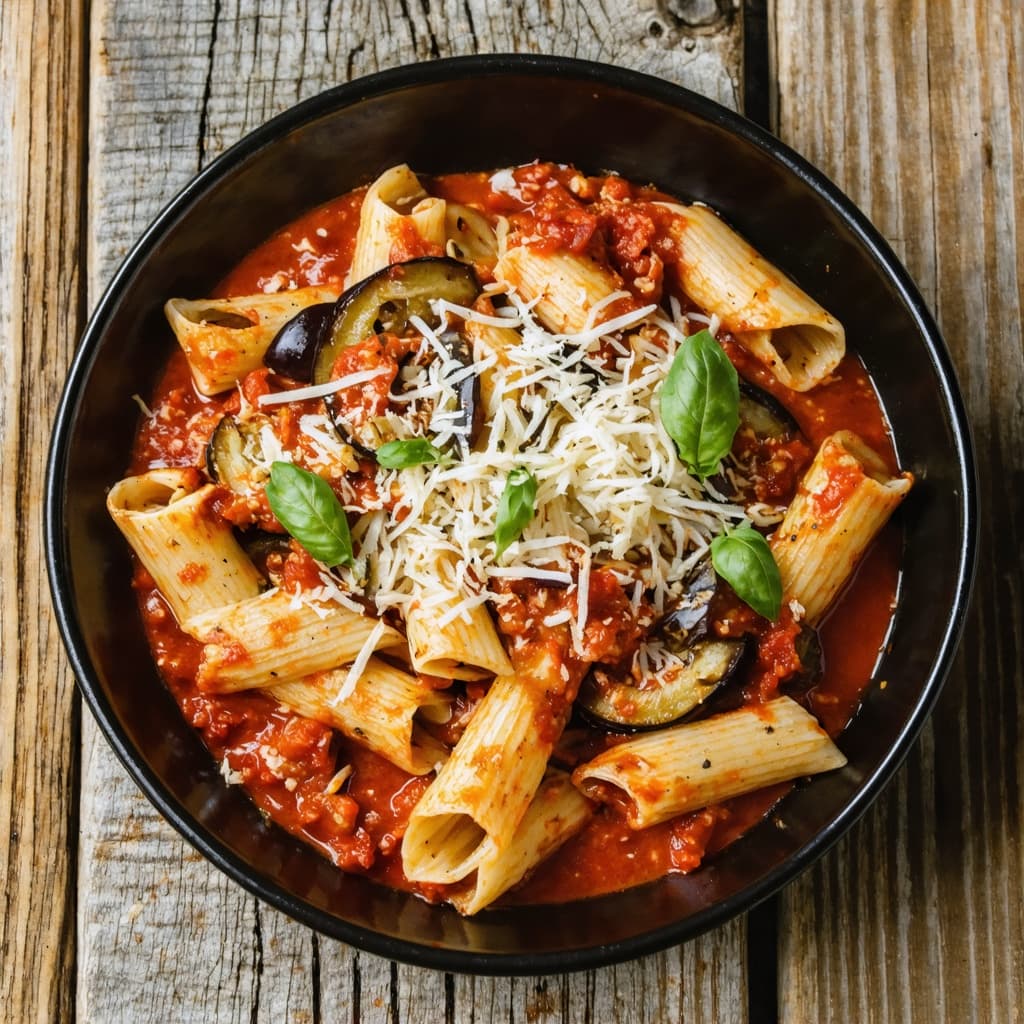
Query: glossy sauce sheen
point(286, 762)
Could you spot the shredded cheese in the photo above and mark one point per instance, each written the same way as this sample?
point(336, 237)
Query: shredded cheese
point(610, 485)
point(358, 667)
point(322, 390)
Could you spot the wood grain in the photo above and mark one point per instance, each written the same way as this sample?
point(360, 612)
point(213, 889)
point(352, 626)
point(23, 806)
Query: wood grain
point(40, 307)
point(915, 109)
point(162, 934)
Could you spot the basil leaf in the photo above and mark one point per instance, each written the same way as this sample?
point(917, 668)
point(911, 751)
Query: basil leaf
point(416, 451)
point(743, 559)
point(309, 510)
point(700, 403)
point(515, 509)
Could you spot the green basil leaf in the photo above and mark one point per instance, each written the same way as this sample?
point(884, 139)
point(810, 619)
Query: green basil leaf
point(515, 509)
point(416, 451)
point(743, 559)
point(700, 403)
point(310, 511)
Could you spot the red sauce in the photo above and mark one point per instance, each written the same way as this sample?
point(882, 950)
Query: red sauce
point(844, 477)
point(286, 762)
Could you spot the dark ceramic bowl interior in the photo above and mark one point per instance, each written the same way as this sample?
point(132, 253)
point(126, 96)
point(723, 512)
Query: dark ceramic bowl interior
point(598, 118)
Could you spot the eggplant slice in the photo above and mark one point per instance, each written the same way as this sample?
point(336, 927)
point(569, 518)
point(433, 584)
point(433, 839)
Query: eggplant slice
point(232, 453)
point(694, 664)
point(683, 686)
point(385, 302)
point(763, 419)
point(764, 415)
point(812, 656)
point(687, 622)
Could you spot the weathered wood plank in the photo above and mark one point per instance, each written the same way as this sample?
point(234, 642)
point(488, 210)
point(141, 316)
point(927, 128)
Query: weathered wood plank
point(164, 936)
point(915, 109)
point(40, 306)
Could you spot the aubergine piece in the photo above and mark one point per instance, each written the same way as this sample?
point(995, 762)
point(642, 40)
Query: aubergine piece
point(227, 460)
point(703, 663)
point(260, 546)
point(812, 656)
point(470, 420)
point(385, 302)
point(623, 707)
point(687, 622)
point(295, 346)
point(765, 415)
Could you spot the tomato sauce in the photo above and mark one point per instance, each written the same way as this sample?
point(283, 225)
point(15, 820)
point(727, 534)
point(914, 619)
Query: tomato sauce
point(287, 763)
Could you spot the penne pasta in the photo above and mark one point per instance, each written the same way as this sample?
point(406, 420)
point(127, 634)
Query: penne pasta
point(377, 709)
point(669, 772)
point(224, 339)
point(470, 238)
point(770, 316)
point(395, 211)
point(481, 794)
point(555, 815)
point(566, 286)
point(489, 340)
point(447, 642)
point(274, 638)
point(845, 498)
point(190, 552)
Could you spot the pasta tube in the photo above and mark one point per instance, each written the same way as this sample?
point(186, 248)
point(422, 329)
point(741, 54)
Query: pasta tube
point(273, 638)
point(470, 237)
point(450, 643)
point(395, 207)
point(481, 795)
point(190, 552)
point(688, 767)
point(378, 711)
point(567, 287)
point(557, 813)
point(224, 339)
point(763, 309)
point(845, 498)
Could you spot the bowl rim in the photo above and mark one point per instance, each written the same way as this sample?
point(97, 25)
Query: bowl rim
point(206, 842)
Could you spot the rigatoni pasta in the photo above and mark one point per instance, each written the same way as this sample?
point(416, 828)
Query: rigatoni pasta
point(845, 498)
point(376, 707)
point(274, 637)
point(688, 767)
point(396, 211)
point(480, 795)
point(449, 633)
point(782, 326)
point(191, 553)
point(566, 288)
point(224, 339)
point(470, 582)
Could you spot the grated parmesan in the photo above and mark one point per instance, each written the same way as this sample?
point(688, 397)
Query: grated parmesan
point(358, 666)
point(610, 485)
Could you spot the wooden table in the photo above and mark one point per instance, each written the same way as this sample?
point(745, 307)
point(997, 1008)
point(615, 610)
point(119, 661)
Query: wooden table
point(913, 107)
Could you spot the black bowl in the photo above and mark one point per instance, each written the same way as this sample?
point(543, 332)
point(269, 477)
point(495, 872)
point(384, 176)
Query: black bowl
point(479, 113)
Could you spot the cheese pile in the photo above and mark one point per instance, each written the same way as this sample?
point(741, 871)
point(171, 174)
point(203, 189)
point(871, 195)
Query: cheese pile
point(611, 488)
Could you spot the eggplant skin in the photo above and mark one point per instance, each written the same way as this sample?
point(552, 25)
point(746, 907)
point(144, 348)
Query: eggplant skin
point(765, 415)
point(623, 707)
point(388, 299)
point(226, 461)
point(294, 348)
point(688, 621)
